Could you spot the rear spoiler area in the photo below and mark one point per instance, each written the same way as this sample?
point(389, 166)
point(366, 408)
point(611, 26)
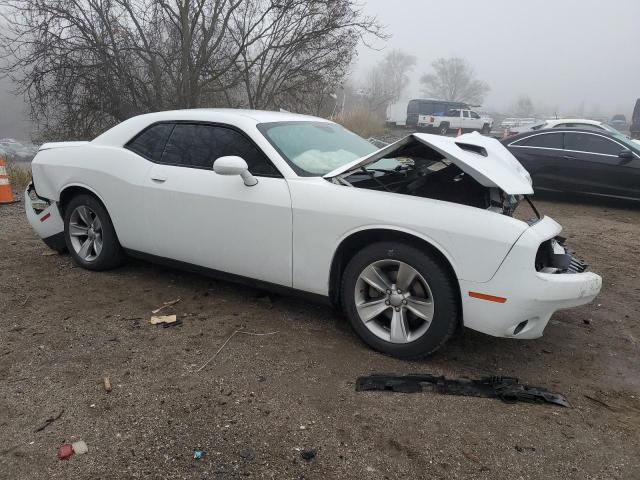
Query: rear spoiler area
point(52, 145)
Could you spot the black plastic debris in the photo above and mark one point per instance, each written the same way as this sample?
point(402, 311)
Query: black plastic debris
point(507, 389)
point(308, 455)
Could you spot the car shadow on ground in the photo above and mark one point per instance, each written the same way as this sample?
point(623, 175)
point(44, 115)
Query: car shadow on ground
point(468, 351)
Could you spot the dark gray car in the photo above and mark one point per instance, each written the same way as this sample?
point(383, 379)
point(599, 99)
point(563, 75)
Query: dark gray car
point(579, 160)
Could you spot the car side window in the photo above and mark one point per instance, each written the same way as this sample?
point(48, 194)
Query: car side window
point(199, 145)
point(586, 142)
point(151, 141)
point(544, 140)
point(453, 113)
point(474, 115)
point(465, 113)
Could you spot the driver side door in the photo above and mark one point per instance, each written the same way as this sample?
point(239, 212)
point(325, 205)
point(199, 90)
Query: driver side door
point(215, 221)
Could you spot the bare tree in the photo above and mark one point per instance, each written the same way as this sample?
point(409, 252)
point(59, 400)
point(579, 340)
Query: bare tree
point(454, 79)
point(85, 65)
point(298, 51)
point(386, 81)
point(524, 106)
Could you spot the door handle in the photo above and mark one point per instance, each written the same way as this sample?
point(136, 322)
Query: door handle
point(159, 177)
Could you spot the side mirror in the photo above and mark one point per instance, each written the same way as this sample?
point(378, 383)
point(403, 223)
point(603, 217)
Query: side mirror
point(232, 165)
point(626, 155)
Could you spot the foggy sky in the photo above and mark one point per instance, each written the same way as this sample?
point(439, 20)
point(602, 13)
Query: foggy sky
point(562, 53)
point(559, 52)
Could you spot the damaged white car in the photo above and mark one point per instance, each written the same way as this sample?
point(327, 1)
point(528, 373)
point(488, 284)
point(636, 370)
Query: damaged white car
point(412, 240)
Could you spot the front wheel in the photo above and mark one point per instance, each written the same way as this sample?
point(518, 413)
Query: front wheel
point(400, 300)
point(89, 234)
point(486, 129)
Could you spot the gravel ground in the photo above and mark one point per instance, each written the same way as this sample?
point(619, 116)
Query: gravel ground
point(264, 398)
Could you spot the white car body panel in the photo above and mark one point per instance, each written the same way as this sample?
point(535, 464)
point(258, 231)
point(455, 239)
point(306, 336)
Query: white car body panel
point(229, 227)
point(286, 231)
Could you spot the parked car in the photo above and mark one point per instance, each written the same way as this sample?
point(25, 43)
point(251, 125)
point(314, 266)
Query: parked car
point(635, 122)
point(579, 160)
point(455, 119)
point(418, 106)
point(619, 121)
point(513, 122)
point(565, 123)
point(16, 150)
point(412, 240)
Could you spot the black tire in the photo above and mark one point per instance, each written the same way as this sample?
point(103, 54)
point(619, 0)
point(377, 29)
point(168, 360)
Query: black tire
point(443, 129)
point(486, 129)
point(111, 255)
point(443, 288)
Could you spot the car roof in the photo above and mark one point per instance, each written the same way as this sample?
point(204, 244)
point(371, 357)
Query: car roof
point(605, 133)
point(586, 121)
point(530, 133)
point(241, 118)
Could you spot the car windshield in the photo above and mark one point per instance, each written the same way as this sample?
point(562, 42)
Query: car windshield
point(315, 148)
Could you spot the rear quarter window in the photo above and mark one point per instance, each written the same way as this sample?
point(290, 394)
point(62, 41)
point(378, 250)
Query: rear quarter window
point(150, 142)
point(543, 140)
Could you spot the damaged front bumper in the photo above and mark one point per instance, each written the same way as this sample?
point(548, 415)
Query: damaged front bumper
point(520, 299)
point(44, 217)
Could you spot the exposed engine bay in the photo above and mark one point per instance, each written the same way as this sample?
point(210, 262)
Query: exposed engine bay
point(418, 170)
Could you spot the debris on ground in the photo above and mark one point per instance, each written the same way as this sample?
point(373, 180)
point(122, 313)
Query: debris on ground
point(162, 319)
point(65, 452)
point(522, 449)
point(598, 401)
point(177, 323)
point(165, 305)
point(507, 389)
point(107, 384)
point(239, 331)
point(48, 422)
point(198, 454)
point(471, 456)
point(49, 253)
point(80, 447)
point(308, 455)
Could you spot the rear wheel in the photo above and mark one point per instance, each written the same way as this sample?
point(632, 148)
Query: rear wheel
point(400, 300)
point(443, 129)
point(89, 234)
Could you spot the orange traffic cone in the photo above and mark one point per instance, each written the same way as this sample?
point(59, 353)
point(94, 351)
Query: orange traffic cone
point(6, 194)
point(459, 132)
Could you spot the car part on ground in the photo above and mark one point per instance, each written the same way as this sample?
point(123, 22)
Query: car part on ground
point(507, 389)
point(317, 207)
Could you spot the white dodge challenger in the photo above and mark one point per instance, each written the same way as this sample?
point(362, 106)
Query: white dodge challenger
point(411, 240)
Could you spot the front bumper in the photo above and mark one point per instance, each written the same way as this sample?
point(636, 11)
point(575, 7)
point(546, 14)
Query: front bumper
point(44, 217)
point(529, 297)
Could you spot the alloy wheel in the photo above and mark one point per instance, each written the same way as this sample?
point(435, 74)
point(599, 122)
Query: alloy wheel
point(85, 233)
point(394, 301)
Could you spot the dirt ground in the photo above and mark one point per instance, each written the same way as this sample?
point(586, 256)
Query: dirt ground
point(264, 398)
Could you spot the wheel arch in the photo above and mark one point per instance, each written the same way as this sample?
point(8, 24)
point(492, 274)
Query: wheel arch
point(352, 242)
point(73, 189)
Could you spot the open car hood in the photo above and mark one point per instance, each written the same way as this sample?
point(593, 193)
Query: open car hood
point(484, 158)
